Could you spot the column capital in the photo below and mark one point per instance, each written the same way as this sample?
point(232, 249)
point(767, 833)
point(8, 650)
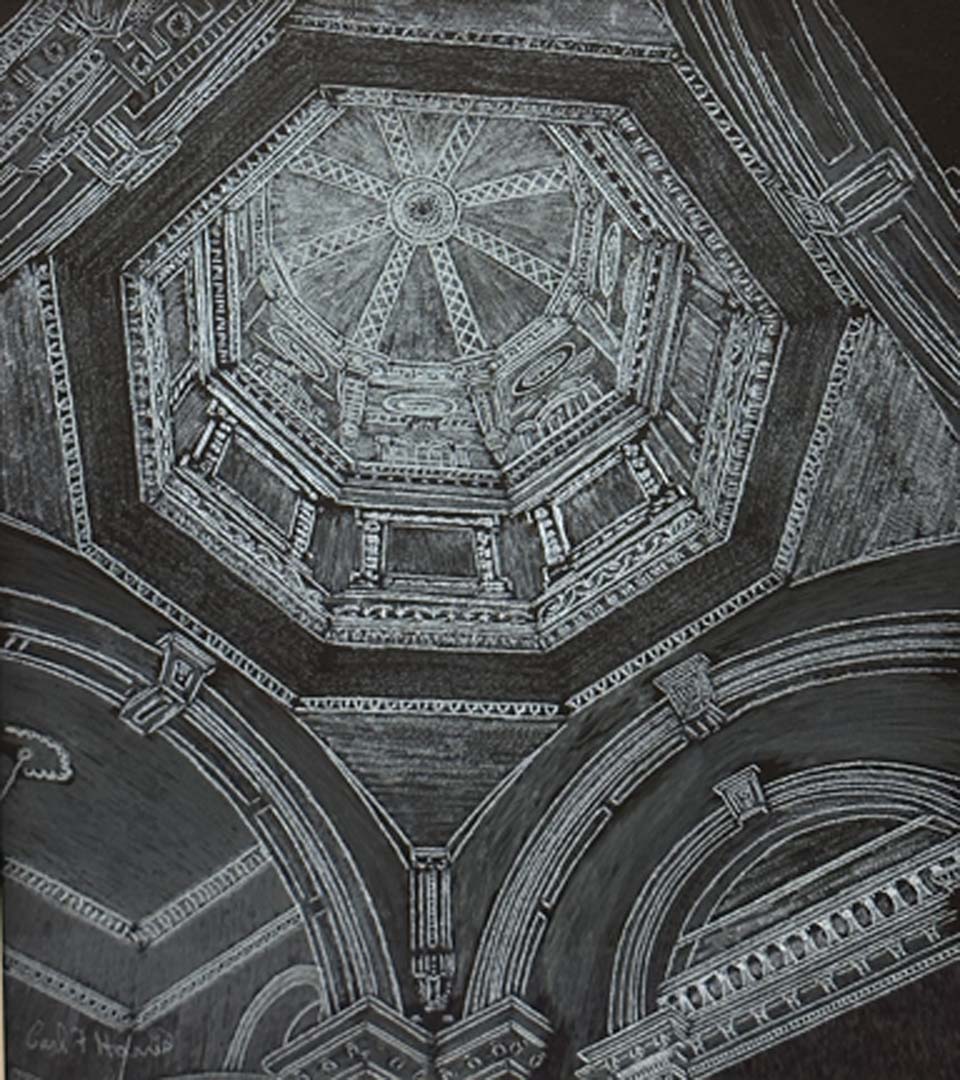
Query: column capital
point(506, 1041)
point(366, 1039)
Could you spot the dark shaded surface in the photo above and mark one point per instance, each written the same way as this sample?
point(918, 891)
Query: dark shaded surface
point(430, 773)
point(182, 829)
point(29, 441)
point(892, 472)
point(912, 1032)
point(91, 258)
point(915, 46)
point(448, 552)
point(897, 719)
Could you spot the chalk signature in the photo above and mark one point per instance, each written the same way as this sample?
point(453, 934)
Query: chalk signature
point(69, 1040)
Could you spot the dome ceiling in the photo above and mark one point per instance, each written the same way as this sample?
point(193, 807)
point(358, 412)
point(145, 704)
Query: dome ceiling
point(454, 536)
point(446, 370)
point(557, 410)
point(392, 214)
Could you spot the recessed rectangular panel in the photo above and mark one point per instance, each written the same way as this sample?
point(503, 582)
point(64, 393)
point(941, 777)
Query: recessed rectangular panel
point(522, 556)
point(430, 552)
point(335, 548)
point(189, 418)
point(695, 360)
point(600, 503)
point(258, 484)
point(177, 321)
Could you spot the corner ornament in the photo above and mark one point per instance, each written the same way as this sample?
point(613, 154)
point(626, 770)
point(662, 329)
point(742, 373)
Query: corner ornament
point(692, 695)
point(183, 669)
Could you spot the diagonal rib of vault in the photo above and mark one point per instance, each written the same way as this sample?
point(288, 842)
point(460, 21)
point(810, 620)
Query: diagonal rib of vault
point(382, 299)
point(515, 186)
point(340, 174)
point(460, 311)
point(317, 248)
point(523, 263)
point(393, 131)
point(456, 147)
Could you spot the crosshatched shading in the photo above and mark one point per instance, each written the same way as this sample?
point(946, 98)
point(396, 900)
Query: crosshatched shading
point(502, 616)
point(418, 297)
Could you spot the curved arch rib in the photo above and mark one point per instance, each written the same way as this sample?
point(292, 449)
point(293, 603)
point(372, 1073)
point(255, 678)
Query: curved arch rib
point(511, 937)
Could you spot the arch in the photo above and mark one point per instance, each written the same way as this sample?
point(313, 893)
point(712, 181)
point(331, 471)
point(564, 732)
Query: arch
point(313, 861)
point(803, 802)
point(877, 645)
point(300, 975)
point(315, 864)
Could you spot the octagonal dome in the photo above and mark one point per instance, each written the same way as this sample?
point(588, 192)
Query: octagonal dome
point(424, 236)
point(447, 370)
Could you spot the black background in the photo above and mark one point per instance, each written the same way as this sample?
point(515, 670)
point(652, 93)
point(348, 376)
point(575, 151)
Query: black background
point(916, 46)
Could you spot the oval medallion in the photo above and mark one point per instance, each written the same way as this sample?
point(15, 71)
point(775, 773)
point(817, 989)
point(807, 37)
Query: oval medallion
point(429, 406)
point(544, 369)
point(610, 254)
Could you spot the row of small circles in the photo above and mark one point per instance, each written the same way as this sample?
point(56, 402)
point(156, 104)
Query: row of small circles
point(397, 1064)
point(861, 915)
